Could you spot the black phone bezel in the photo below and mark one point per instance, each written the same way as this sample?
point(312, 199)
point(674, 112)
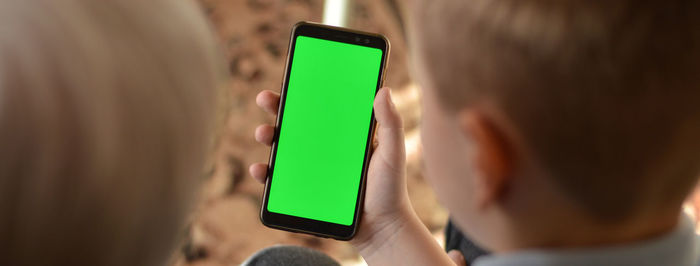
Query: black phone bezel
point(309, 226)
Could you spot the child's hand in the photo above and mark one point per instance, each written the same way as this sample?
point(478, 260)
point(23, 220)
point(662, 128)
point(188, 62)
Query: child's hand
point(390, 232)
point(386, 201)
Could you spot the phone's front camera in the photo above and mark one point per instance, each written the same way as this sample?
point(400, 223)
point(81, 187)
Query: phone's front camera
point(366, 40)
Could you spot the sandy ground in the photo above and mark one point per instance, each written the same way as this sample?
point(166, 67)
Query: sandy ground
point(254, 34)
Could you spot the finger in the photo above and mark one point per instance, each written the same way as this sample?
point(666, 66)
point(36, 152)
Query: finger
point(269, 101)
point(258, 171)
point(390, 126)
point(457, 257)
point(264, 134)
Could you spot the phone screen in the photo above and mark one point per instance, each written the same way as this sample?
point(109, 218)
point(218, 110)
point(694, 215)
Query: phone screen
point(323, 133)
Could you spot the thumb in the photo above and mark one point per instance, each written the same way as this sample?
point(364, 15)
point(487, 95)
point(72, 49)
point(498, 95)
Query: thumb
point(390, 126)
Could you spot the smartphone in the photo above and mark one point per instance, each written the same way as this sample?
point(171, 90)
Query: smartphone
point(324, 131)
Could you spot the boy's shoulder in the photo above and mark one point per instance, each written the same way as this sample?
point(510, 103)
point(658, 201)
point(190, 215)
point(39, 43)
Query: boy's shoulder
point(679, 247)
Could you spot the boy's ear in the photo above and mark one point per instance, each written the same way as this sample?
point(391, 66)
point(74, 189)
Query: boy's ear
point(492, 156)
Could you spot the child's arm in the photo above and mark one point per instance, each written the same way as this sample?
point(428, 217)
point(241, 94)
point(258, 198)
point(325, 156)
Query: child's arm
point(405, 242)
point(390, 233)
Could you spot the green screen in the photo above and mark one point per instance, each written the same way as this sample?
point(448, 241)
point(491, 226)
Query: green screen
point(323, 135)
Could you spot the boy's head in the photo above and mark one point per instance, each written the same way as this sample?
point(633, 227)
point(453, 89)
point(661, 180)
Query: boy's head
point(542, 110)
point(106, 112)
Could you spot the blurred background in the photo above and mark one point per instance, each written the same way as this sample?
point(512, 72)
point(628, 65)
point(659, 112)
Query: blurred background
point(255, 33)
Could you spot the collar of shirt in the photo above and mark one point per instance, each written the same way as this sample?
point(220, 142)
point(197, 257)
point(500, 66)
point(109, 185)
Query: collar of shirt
point(678, 248)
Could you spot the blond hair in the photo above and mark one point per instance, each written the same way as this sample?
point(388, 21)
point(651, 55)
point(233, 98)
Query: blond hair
point(606, 93)
point(107, 109)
